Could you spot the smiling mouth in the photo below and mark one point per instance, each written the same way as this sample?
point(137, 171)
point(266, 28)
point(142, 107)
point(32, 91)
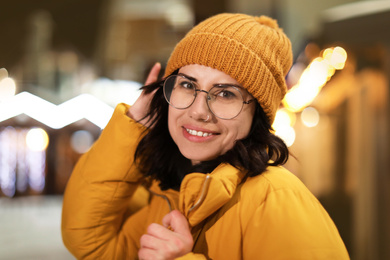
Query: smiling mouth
point(198, 133)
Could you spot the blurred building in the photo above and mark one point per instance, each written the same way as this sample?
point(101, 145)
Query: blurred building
point(68, 63)
point(354, 146)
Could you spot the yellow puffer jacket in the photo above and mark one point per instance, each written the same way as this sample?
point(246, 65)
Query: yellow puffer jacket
point(270, 216)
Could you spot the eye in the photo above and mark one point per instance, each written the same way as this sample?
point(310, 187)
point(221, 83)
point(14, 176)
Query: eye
point(185, 84)
point(225, 93)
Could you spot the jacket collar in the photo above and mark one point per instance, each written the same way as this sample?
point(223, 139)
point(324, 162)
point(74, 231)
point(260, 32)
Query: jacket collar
point(202, 194)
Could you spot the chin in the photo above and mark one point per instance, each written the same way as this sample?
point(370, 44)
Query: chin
point(196, 160)
point(200, 154)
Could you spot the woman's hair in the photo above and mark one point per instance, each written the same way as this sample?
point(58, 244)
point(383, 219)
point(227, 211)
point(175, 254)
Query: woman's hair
point(158, 156)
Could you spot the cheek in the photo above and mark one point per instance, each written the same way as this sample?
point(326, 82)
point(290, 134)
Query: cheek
point(243, 130)
point(247, 121)
point(244, 126)
point(236, 131)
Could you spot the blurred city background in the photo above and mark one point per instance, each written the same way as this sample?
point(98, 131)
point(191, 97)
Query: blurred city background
point(65, 64)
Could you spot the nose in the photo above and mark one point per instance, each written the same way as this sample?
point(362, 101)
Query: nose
point(199, 110)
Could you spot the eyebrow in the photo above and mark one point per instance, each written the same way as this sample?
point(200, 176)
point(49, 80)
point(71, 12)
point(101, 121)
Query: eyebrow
point(218, 84)
point(188, 77)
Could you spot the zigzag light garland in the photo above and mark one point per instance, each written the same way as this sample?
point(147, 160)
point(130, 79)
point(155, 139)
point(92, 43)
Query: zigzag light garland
point(57, 116)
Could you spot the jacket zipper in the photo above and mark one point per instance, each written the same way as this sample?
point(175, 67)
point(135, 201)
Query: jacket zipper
point(202, 196)
point(203, 193)
point(164, 197)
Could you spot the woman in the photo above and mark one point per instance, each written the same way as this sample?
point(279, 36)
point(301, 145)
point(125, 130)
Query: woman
point(196, 161)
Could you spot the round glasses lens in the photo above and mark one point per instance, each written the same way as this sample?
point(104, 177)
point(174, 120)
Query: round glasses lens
point(225, 102)
point(179, 91)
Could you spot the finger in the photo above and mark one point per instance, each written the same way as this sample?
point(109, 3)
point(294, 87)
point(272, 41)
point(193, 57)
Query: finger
point(158, 231)
point(169, 243)
point(151, 242)
point(153, 74)
point(165, 248)
point(146, 253)
point(177, 222)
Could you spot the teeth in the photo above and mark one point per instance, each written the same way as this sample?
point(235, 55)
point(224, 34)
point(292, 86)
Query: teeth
point(198, 133)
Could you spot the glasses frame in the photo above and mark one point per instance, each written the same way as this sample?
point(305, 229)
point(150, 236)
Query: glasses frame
point(208, 98)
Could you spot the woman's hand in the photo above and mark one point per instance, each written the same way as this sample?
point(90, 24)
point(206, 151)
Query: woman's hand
point(141, 106)
point(169, 241)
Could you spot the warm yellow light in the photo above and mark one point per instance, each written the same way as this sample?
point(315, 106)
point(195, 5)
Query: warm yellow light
point(293, 101)
point(339, 58)
point(318, 73)
point(310, 117)
point(336, 57)
point(3, 73)
point(313, 78)
point(287, 134)
point(300, 97)
point(7, 88)
point(327, 53)
point(330, 71)
point(284, 120)
point(37, 139)
point(283, 117)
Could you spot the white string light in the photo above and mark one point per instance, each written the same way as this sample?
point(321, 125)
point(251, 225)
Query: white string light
point(57, 116)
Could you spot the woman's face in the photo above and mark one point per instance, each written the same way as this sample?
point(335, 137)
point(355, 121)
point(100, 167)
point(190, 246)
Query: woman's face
point(218, 135)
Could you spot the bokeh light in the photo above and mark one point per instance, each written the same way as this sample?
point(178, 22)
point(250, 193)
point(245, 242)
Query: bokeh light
point(283, 125)
point(287, 134)
point(7, 88)
point(336, 57)
point(81, 141)
point(3, 73)
point(310, 117)
point(8, 160)
point(313, 78)
point(283, 117)
point(37, 139)
point(179, 15)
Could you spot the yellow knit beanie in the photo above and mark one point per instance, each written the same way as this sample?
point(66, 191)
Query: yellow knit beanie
point(252, 50)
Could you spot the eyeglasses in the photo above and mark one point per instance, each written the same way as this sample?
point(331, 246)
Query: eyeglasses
point(224, 101)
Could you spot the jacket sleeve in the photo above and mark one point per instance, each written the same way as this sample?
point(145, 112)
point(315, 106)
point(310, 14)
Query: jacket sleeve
point(292, 224)
point(98, 194)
